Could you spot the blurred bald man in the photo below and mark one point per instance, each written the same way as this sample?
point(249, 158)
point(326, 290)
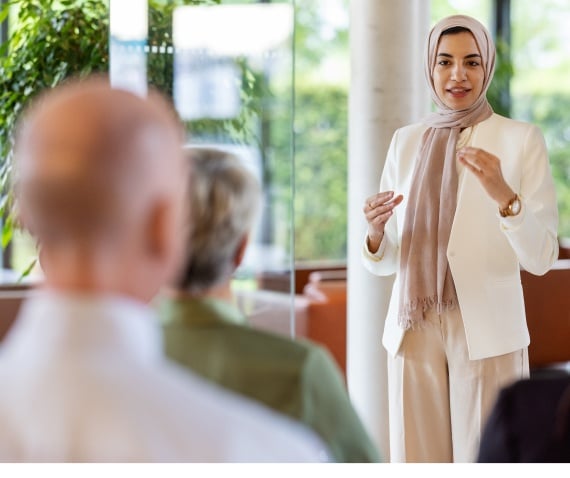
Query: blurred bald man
point(99, 182)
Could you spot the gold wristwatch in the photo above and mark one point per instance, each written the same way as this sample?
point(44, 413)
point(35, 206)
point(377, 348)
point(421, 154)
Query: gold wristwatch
point(513, 208)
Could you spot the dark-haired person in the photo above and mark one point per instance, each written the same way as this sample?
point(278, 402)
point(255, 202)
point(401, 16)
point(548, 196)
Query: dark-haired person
point(530, 423)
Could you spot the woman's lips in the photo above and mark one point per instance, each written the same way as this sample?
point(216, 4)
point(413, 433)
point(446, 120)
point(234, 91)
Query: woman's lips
point(458, 92)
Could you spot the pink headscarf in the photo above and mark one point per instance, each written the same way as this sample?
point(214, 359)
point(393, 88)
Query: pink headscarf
point(486, 48)
point(425, 280)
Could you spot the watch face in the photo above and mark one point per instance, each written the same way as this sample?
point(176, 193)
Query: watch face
point(516, 207)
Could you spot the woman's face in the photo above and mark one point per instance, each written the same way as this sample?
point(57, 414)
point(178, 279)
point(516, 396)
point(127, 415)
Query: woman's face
point(458, 74)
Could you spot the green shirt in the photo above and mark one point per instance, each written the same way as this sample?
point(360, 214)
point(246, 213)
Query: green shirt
point(297, 378)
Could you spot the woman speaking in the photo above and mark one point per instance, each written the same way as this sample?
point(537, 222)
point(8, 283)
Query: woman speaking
point(466, 199)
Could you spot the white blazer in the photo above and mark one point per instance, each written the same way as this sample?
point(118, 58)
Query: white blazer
point(485, 251)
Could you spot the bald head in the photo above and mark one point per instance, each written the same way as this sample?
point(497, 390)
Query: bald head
point(99, 181)
point(88, 158)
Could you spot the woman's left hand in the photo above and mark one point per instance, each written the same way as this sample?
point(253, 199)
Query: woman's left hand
point(487, 168)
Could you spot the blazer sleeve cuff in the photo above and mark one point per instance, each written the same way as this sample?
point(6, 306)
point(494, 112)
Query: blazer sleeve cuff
point(379, 254)
point(512, 223)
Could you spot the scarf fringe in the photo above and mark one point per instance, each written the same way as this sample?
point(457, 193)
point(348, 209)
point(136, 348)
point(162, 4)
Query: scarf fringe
point(412, 316)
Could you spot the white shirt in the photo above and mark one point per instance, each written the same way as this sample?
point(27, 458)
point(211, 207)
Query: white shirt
point(84, 380)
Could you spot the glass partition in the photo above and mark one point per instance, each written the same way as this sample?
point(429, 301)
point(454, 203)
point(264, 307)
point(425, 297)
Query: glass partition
point(228, 66)
point(233, 87)
point(229, 71)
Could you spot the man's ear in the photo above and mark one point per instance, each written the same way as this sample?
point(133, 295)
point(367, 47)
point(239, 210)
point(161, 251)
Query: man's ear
point(240, 251)
point(160, 230)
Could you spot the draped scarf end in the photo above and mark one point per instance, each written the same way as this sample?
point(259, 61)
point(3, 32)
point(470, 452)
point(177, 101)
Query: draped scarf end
point(413, 314)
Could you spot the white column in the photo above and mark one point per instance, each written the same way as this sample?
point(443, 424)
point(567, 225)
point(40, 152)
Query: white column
point(387, 90)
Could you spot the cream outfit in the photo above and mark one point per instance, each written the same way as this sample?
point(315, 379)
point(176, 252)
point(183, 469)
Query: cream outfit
point(485, 253)
point(84, 380)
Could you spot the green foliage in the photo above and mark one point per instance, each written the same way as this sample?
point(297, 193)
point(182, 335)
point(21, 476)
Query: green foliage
point(243, 128)
point(498, 92)
point(549, 112)
point(54, 40)
point(320, 197)
point(321, 173)
point(51, 41)
point(541, 92)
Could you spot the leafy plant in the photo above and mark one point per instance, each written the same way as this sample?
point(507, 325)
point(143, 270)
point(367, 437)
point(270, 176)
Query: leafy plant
point(53, 40)
point(50, 41)
point(549, 112)
point(498, 92)
point(320, 194)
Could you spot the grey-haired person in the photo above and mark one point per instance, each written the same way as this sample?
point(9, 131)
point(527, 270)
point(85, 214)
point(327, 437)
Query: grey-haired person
point(205, 331)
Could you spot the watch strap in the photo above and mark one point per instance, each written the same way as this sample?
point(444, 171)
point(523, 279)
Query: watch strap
point(508, 210)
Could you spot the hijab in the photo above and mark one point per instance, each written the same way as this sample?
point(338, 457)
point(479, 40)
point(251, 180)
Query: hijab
point(425, 278)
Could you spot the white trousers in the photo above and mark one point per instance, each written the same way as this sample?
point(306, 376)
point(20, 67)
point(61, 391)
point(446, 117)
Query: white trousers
point(439, 400)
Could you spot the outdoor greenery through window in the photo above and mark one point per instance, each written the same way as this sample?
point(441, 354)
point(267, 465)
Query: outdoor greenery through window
point(541, 87)
point(322, 73)
point(537, 66)
point(315, 184)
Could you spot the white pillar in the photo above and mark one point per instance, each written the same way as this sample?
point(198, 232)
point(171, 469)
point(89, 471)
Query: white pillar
point(387, 90)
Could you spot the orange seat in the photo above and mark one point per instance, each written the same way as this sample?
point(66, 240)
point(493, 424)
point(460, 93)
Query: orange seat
point(326, 312)
point(547, 303)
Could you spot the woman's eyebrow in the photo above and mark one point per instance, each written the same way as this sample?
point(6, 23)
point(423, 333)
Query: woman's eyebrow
point(471, 55)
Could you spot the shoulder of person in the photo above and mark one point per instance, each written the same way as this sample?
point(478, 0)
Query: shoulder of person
point(412, 132)
point(555, 385)
point(412, 129)
point(498, 122)
point(319, 361)
point(270, 343)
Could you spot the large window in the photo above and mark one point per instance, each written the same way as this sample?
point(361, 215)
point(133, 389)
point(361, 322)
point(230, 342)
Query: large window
point(321, 129)
point(541, 87)
point(308, 192)
point(479, 9)
point(228, 66)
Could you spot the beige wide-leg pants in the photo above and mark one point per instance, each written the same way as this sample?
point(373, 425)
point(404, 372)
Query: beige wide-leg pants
point(438, 398)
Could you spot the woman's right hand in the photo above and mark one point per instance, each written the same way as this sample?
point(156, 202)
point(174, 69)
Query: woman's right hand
point(377, 210)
